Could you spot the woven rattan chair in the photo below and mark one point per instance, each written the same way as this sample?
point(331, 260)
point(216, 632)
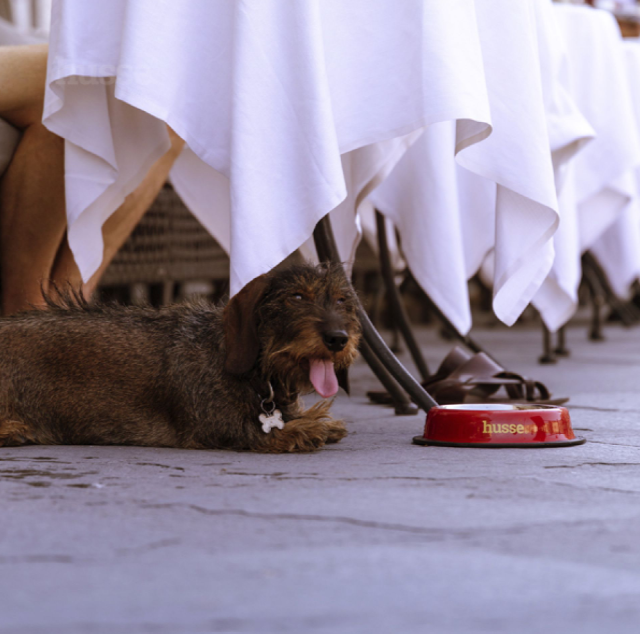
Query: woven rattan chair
point(168, 247)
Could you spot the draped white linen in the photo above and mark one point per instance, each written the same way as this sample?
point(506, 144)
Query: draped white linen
point(270, 98)
point(605, 189)
point(501, 194)
point(618, 248)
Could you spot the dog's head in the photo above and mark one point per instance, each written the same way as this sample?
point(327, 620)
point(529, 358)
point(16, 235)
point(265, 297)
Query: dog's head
point(299, 325)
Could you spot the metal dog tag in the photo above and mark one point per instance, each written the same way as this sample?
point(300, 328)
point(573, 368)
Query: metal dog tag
point(271, 416)
point(269, 421)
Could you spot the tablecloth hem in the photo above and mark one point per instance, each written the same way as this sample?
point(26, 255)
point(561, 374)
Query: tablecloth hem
point(238, 282)
point(423, 122)
point(103, 207)
point(509, 311)
point(152, 108)
point(555, 305)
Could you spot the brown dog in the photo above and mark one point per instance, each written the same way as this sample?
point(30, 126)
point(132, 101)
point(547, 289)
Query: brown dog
point(190, 376)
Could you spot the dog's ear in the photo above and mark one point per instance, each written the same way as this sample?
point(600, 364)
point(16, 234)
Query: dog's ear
point(343, 379)
point(240, 327)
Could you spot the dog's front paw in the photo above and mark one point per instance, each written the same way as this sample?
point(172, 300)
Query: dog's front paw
point(303, 435)
point(310, 431)
point(299, 435)
point(15, 433)
point(336, 431)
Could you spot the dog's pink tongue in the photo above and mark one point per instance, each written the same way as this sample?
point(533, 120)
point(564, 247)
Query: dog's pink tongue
point(323, 377)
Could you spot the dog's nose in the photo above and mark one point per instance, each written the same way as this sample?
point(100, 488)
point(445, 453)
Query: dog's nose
point(335, 340)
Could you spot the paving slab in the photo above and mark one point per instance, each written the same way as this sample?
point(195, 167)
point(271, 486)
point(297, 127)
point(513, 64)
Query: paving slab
point(371, 535)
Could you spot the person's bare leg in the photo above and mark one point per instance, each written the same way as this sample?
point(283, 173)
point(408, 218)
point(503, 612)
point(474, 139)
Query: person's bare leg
point(32, 218)
point(32, 210)
point(23, 72)
point(120, 224)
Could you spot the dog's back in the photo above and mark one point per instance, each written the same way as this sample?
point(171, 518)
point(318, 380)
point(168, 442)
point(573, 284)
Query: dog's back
point(79, 373)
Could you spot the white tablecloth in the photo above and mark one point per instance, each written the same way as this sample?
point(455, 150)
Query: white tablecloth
point(587, 86)
point(569, 132)
point(618, 248)
point(604, 182)
point(501, 195)
point(273, 99)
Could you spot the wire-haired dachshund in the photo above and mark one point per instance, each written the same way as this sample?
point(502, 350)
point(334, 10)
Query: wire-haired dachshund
point(193, 375)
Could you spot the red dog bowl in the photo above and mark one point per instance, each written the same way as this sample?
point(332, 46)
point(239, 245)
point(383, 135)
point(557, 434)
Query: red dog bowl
point(496, 426)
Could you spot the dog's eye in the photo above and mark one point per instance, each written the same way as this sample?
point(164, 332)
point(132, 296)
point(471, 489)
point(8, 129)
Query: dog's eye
point(340, 300)
point(297, 296)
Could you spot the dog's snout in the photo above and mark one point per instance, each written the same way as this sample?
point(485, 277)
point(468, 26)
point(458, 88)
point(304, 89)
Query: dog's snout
point(335, 340)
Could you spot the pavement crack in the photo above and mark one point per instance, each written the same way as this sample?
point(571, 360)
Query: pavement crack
point(445, 534)
point(593, 408)
point(163, 543)
point(316, 476)
point(595, 464)
point(340, 519)
point(21, 474)
point(277, 474)
point(156, 464)
point(37, 559)
point(572, 485)
point(31, 459)
point(614, 444)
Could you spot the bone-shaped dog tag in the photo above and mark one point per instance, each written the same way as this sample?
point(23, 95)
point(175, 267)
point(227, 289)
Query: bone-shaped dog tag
point(269, 421)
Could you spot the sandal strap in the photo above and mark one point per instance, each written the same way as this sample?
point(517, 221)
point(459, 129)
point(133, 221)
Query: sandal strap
point(533, 390)
point(456, 357)
point(478, 366)
point(518, 388)
point(542, 391)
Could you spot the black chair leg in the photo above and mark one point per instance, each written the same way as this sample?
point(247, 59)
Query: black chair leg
point(547, 357)
point(400, 317)
point(401, 403)
point(561, 349)
point(627, 311)
point(400, 312)
point(395, 345)
point(328, 252)
point(597, 302)
point(595, 333)
point(466, 340)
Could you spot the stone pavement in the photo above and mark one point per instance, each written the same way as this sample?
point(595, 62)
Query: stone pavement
point(371, 535)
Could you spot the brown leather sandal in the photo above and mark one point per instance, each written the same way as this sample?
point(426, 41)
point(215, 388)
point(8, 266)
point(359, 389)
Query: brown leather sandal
point(467, 378)
point(454, 359)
